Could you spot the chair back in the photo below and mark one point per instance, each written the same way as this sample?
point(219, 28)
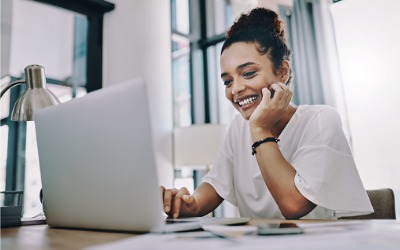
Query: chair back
point(382, 201)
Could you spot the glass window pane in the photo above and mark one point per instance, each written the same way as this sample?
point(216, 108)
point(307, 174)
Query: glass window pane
point(181, 80)
point(50, 43)
point(5, 99)
point(180, 16)
point(3, 160)
point(182, 93)
point(219, 17)
point(32, 205)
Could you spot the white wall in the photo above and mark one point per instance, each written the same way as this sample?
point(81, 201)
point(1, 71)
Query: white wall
point(368, 44)
point(137, 43)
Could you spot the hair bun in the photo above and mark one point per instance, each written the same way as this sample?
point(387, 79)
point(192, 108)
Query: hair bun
point(259, 18)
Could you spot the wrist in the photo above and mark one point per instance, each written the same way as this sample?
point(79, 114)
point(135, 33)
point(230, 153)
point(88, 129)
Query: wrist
point(258, 133)
point(265, 140)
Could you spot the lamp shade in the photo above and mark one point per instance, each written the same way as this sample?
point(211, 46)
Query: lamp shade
point(197, 145)
point(35, 97)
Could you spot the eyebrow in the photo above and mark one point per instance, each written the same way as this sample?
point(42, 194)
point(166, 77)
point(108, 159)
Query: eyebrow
point(241, 66)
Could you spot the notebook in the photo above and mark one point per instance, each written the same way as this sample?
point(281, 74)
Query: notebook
point(97, 164)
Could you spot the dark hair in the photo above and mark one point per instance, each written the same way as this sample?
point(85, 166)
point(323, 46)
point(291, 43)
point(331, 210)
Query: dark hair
point(262, 27)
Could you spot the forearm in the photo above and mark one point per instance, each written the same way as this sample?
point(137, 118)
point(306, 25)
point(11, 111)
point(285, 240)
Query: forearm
point(279, 177)
point(207, 199)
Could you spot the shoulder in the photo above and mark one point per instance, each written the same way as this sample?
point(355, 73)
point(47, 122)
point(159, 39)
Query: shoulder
point(323, 113)
point(322, 122)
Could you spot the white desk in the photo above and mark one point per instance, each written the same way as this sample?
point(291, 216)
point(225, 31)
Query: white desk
point(377, 234)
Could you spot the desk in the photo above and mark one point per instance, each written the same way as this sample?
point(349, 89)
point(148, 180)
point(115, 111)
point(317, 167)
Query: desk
point(42, 237)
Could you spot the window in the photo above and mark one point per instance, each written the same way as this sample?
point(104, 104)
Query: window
point(72, 59)
point(181, 74)
point(199, 95)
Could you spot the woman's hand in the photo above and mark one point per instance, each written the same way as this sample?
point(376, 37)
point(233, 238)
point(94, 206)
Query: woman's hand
point(270, 110)
point(178, 203)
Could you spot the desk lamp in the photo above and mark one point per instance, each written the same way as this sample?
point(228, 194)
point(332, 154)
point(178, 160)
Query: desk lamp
point(197, 145)
point(35, 97)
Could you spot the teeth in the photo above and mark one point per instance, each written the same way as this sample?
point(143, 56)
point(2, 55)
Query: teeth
point(247, 101)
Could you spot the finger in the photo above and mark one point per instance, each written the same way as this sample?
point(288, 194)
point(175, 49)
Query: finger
point(278, 91)
point(168, 196)
point(178, 201)
point(162, 190)
point(266, 95)
point(287, 91)
point(189, 199)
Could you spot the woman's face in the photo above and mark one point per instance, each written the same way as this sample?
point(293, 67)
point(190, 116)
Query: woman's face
point(245, 73)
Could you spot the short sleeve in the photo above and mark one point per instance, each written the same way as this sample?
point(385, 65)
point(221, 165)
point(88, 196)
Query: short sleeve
point(326, 173)
point(221, 175)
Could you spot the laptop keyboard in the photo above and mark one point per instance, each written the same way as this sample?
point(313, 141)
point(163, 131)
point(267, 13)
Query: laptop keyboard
point(180, 220)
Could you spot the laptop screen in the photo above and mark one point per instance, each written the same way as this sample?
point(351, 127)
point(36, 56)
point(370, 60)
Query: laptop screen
point(97, 161)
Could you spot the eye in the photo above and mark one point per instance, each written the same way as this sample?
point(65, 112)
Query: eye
point(227, 83)
point(249, 74)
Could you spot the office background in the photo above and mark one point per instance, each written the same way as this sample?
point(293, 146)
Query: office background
point(174, 45)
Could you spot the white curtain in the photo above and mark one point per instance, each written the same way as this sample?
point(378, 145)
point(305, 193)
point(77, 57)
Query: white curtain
point(317, 75)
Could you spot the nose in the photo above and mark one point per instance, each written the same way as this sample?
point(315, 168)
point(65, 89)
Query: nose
point(237, 87)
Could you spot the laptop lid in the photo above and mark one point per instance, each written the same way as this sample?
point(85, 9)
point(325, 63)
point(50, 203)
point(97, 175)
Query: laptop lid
point(97, 161)
point(97, 164)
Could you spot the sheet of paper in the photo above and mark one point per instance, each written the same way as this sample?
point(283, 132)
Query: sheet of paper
point(349, 235)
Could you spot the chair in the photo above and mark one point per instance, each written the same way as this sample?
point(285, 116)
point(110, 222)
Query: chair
point(382, 201)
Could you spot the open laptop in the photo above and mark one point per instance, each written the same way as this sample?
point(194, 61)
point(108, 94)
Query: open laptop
point(97, 164)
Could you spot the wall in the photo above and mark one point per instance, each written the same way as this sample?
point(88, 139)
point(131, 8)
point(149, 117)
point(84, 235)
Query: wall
point(137, 43)
point(368, 52)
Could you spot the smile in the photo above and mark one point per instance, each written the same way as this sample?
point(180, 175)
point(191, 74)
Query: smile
point(246, 101)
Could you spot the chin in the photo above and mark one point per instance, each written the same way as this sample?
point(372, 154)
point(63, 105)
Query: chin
point(246, 114)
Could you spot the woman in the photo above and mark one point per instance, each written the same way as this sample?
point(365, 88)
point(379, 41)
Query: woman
point(280, 161)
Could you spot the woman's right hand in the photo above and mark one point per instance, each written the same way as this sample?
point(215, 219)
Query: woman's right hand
point(178, 203)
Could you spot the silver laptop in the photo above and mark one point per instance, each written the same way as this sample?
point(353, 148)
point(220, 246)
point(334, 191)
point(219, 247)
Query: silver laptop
point(97, 164)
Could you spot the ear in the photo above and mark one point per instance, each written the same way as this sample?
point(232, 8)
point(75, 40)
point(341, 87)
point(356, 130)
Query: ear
point(284, 71)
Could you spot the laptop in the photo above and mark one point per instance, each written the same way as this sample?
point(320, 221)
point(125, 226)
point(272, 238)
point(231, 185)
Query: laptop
point(98, 166)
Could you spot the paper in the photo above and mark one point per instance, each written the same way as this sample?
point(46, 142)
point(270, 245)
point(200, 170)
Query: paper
point(349, 235)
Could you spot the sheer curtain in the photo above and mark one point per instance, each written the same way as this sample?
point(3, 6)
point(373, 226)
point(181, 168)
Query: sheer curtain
point(317, 75)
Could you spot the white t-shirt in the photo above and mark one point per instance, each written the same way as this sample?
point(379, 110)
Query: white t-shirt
point(314, 143)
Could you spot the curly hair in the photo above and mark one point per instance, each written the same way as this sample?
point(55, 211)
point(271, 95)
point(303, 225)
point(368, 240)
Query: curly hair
point(262, 27)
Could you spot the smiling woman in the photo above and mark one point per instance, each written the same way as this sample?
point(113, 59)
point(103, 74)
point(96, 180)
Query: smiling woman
point(241, 63)
point(278, 160)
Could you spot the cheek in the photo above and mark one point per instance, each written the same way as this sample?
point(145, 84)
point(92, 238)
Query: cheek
point(228, 94)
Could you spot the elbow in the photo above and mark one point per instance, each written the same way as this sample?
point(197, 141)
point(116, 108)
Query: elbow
point(295, 211)
point(292, 215)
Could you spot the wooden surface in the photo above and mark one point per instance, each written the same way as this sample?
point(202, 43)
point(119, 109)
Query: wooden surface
point(41, 237)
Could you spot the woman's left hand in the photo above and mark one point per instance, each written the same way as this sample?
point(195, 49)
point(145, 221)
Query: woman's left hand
point(270, 110)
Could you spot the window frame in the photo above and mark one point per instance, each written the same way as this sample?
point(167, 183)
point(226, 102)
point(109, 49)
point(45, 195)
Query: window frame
point(94, 11)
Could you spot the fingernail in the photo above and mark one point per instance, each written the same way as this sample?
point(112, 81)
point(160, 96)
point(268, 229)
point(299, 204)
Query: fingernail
point(166, 208)
point(175, 215)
